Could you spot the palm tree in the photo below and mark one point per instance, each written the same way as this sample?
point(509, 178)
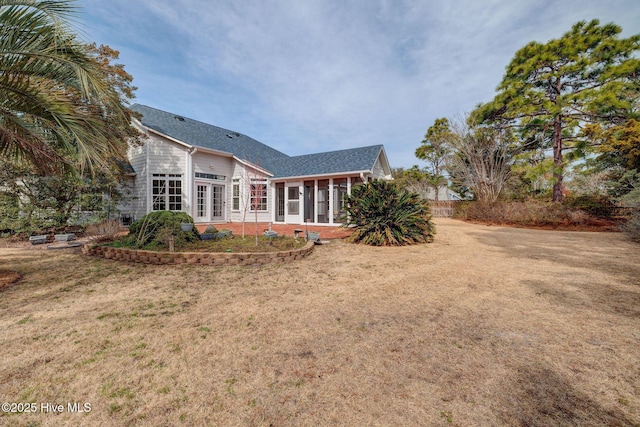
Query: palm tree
point(56, 104)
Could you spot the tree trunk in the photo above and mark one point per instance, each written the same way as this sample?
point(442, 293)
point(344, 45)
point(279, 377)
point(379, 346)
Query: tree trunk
point(558, 170)
point(436, 171)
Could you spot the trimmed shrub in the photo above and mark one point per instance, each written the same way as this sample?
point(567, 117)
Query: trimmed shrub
point(155, 228)
point(382, 214)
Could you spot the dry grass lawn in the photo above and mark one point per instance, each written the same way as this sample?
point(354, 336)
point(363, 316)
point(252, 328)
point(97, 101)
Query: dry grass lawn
point(486, 326)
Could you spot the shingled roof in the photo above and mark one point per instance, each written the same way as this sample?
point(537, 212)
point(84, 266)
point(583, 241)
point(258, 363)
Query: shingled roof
point(350, 160)
point(201, 134)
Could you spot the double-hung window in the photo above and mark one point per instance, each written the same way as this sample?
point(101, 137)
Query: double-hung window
point(235, 199)
point(167, 192)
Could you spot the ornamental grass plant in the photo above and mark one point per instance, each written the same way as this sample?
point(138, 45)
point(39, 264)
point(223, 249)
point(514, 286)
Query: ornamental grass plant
point(382, 214)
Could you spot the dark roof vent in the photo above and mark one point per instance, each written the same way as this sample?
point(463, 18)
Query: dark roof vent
point(181, 119)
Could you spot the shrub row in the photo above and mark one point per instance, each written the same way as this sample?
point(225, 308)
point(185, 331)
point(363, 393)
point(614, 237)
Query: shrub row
point(529, 213)
point(203, 258)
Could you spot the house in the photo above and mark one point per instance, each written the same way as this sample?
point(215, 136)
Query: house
point(219, 175)
point(444, 194)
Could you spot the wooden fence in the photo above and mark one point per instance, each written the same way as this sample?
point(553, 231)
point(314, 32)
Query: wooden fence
point(442, 208)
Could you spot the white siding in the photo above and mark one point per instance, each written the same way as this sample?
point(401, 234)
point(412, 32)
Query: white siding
point(137, 204)
point(378, 170)
point(244, 173)
point(166, 156)
point(210, 163)
point(157, 155)
point(381, 168)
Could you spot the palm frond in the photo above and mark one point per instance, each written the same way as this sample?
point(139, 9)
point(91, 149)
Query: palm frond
point(51, 80)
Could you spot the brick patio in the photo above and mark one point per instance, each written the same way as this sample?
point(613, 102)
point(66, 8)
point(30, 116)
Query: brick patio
point(326, 232)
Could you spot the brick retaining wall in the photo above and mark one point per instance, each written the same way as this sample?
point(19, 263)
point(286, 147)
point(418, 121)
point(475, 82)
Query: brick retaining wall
point(201, 258)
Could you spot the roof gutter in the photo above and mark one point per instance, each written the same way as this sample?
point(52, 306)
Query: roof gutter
point(323, 175)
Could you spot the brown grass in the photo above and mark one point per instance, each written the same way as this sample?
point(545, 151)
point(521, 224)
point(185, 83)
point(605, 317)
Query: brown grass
point(485, 326)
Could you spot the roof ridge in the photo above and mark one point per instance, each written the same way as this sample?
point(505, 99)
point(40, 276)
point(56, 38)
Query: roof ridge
point(342, 149)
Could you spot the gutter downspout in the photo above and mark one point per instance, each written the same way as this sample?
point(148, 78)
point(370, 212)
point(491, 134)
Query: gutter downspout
point(147, 185)
point(190, 180)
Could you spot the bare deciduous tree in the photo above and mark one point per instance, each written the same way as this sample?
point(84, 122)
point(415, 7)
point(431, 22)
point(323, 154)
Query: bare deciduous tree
point(482, 158)
point(253, 195)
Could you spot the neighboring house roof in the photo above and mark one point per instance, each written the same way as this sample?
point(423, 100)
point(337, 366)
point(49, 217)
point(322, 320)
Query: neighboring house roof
point(201, 134)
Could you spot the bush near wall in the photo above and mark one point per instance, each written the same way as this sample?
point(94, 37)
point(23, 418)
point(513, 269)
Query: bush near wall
point(154, 229)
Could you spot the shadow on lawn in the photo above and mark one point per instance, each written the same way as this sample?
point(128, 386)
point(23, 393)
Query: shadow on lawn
point(589, 296)
point(610, 253)
point(541, 397)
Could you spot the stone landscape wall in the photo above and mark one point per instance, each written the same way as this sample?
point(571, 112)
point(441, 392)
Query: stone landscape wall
point(202, 258)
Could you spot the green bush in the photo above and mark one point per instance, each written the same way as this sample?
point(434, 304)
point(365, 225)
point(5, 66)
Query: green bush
point(382, 214)
point(155, 228)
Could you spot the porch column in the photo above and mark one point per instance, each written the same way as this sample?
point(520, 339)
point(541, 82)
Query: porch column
point(315, 201)
point(330, 213)
point(274, 200)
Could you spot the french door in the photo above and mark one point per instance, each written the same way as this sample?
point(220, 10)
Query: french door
point(280, 202)
point(217, 202)
point(210, 202)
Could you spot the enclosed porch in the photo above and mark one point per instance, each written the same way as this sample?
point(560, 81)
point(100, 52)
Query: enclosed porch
point(318, 201)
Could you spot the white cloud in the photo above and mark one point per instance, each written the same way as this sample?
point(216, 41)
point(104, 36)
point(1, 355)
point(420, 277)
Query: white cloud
point(319, 75)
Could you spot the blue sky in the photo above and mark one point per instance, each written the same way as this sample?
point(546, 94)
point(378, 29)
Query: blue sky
point(305, 76)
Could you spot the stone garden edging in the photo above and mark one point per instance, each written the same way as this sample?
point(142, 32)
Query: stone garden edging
point(198, 258)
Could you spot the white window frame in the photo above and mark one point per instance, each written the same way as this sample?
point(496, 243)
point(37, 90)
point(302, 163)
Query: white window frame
point(293, 203)
point(254, 188)
point(235, 195)
point(167, 196)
